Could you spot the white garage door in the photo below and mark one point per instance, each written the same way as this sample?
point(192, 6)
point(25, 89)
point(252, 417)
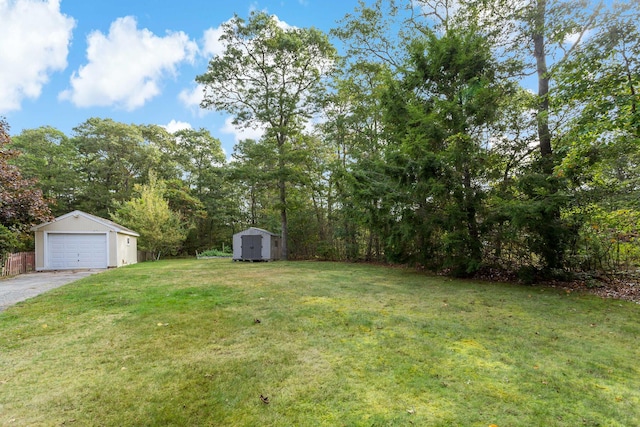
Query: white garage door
point(67, 251)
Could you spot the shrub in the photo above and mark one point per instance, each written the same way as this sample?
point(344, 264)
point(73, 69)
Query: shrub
point(8, 240)
point(215, 252)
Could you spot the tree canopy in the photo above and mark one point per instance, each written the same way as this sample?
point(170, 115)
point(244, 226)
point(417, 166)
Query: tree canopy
point(162, 230)
point(21, 202)
point(274, 78)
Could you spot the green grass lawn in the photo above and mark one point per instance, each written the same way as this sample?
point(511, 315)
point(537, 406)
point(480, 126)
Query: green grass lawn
point(177, 343)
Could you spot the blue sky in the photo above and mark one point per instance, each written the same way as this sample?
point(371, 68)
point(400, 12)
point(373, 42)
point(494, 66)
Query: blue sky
point(64, 61)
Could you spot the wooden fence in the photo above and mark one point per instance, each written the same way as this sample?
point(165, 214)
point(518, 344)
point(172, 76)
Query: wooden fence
point(145, 256)
point(19, 263)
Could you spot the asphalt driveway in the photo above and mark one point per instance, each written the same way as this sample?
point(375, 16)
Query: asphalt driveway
point(25, 286)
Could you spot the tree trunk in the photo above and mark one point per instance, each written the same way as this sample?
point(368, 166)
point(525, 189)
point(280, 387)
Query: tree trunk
point(552, 249)
point(544, 134)
point(632, 91)
point(475, 247)
point(253, 208)
point(322, 235)
point(282, 185)
point(283, 220)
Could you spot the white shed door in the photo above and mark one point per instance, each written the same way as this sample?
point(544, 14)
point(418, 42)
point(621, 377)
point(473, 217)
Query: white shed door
point(68, 251)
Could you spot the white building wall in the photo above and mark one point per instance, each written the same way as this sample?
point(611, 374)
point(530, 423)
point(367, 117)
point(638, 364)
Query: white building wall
point(127, 250)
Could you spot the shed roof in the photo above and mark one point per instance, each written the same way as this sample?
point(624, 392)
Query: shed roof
point(260, 230)
point(109, 224)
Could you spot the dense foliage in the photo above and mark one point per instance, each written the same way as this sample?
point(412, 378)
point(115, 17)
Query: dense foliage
point(161, 229)
point(430, 144)
point(21, 202)
point(273, 78)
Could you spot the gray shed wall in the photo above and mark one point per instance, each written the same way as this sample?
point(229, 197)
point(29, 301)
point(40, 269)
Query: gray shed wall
point(270, 244)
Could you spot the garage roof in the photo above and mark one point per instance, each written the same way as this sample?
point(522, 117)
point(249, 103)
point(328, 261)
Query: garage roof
point(109, 224)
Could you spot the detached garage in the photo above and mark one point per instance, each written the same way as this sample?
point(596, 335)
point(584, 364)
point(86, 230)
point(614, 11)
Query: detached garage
point(256, 244)
point(79, 240)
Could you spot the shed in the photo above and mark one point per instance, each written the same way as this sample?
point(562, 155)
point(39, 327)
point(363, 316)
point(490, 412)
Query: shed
point(256, 244)
point(79, 240)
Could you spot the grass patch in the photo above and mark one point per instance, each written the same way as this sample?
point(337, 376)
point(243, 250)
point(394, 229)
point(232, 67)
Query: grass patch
point(177, 343)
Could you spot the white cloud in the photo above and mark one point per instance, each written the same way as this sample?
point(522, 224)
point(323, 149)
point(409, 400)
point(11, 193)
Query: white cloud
point(212, 45)
point(34, 42)
point(174, 126)
point(572, 39)
point(283, 24)
point(240, 134)
point(191, 98)
point(126, 67)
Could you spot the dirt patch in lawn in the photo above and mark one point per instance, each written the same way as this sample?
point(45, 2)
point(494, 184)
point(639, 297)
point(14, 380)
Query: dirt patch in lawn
point(624, 286)
point(620, 287)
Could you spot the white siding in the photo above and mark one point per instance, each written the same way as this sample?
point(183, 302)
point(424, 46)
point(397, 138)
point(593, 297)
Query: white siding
point(127, 250)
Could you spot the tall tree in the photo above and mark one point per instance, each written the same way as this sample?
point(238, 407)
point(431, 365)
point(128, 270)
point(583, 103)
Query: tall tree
point(199, 155)
point(162, 230)
point(254, 170)
point(112, 158)
point(603, 133)
point(202, 165)
point(376, 54)
point(535, 38)
point(440, 113)
point(598, 90)
point(357, 184)
point(555, 29)
point(48, 157)
point(270, 77)
point(21, 202)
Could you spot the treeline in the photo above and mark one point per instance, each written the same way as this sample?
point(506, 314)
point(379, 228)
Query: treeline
point(104, 165)
point(427, 148)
